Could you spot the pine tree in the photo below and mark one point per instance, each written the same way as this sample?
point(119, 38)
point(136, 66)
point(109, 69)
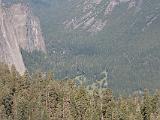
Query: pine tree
point(107, 104)
point(146, 108)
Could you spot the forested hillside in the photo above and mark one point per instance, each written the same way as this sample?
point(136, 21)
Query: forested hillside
point(92, 60)
point(40, 97)
point(89, 37)
point(126, 45)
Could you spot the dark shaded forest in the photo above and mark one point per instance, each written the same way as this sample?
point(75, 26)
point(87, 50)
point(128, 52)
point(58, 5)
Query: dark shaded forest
point(127, 48)
point(40, 97)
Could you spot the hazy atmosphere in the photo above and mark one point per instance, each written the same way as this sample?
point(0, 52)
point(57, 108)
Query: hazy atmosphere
point(79, 59)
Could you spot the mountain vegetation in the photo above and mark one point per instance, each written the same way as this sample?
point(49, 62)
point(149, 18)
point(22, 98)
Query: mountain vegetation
point(40, 97)
point(89, 37)
point(127, 46)
point(104, 55)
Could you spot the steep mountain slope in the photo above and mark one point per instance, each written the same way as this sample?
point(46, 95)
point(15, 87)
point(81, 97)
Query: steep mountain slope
point(28, 28)
point(88, 37)
point(18, 29)
point(94, 15)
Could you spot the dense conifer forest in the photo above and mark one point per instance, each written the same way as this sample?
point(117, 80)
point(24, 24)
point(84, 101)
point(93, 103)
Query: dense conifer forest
point(40, 97)
point(109, 74)
point(127, 47)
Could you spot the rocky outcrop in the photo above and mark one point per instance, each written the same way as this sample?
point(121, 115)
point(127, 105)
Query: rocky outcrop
point(27, 27)
point(96, 14)
point(18, 29)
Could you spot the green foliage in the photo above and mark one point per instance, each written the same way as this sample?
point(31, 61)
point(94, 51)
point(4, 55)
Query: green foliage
point(40, 97)
point(127, 47)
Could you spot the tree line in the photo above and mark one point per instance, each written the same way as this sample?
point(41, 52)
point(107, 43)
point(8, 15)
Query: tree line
point(40, 97)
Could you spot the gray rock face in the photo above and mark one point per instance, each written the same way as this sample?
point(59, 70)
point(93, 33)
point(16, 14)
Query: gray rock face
point(27, 28)
point(18, 29)
point(94, 15)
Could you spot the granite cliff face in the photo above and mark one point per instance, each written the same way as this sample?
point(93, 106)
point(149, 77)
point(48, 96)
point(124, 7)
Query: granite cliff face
point(27, 28)
point(19, 28)
point(94, 15)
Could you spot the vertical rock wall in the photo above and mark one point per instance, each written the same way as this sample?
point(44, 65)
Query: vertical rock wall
point(18, 29)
